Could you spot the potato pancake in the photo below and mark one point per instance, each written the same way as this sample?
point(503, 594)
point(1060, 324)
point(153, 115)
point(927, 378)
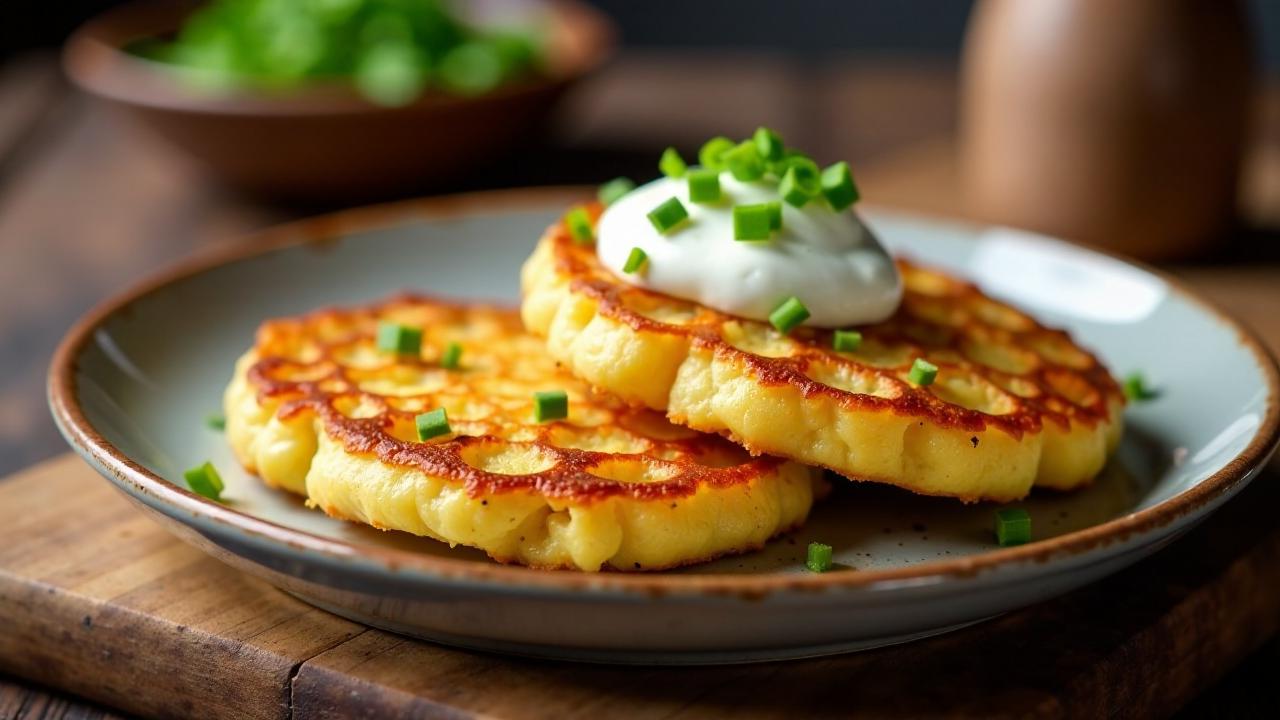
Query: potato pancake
point(1014, 404)
point(344, 406)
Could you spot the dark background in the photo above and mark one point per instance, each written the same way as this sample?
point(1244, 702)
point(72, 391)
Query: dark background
point(801, 27)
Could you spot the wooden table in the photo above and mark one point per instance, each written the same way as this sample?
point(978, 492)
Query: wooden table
point(87, 204)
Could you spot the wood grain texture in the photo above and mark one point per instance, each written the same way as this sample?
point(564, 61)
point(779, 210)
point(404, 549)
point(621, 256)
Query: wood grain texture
point(97, 599)
point(21, 701)
point(104, 603)
point(1139, 645)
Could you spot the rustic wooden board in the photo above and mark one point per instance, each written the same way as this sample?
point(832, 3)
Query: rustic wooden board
point(98, 600)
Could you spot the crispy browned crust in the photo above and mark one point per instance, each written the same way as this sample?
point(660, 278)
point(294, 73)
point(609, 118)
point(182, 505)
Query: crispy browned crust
point(941, 318)
point(300, 365)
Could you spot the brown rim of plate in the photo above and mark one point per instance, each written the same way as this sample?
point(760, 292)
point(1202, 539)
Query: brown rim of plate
point(94, 58)
point(324, 229)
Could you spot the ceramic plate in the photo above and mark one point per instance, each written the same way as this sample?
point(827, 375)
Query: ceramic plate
point(133, 382)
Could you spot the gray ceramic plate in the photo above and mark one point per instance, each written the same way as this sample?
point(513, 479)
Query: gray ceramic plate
point(133, 382)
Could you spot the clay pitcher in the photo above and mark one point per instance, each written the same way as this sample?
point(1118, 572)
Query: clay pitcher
point(1117, 124)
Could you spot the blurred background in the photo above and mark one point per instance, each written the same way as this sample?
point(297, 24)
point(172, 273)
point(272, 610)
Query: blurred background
point(1148, 127)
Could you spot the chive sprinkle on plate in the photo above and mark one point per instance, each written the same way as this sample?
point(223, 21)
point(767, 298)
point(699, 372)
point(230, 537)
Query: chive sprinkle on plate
point(819, 557)
point(1013, 527)
point(1136, 389)
point(205, 481)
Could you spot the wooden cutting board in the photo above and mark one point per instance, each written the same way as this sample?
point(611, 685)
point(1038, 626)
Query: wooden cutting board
point(98, 600)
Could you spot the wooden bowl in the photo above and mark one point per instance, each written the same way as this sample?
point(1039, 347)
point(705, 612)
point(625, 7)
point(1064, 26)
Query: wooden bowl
point(324, 141)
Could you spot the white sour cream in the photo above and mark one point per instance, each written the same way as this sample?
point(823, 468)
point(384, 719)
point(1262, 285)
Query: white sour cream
point(829, 260)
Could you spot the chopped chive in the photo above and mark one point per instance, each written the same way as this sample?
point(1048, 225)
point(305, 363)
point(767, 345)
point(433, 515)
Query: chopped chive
point(846, 340)
point(671, 164)
point(775, 214)
point(789, 313)
point(711, 156)
point(550, 405)
point(819, 557)
point(667, 216)
point(432, 424)
point(1013, 527)
point(399, 339)
point(704, 186)
point(922, 372)
point(635, 261)
point(451, 355)
point(752, 222)
point(744, 162)
point(799, 184)
point(205, 481)
point(780, 166)
point(216, 421)
point(579, 224)
point(838, 187)
point(612, 191)
point(1135, 388)
point(768, 144)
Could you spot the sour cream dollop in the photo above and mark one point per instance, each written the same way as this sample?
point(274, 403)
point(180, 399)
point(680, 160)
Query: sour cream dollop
point(827, 259)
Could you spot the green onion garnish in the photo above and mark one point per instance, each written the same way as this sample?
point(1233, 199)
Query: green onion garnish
point(205, 481)
point(1135, 388)
point(391, 74)
point(768, 144)
point(819, 557)
point(744, 162)
point(775, 214)
point(752, 222)
point(579, 224)
point(922, 372)
point(711, 156)
point(790, 313)
point(216, 421)
point(838, 187)
point(451, 355)
point(671, 164)
point(399, 339)
point(667, 216)
point(432, 424)
point(800, 184)
point(1013, 527)
point(635, 261)
point(780, 166)
point(550, 405)
point(471, 68)
point(704, 186)
point(846, 340)
point(610, 192)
